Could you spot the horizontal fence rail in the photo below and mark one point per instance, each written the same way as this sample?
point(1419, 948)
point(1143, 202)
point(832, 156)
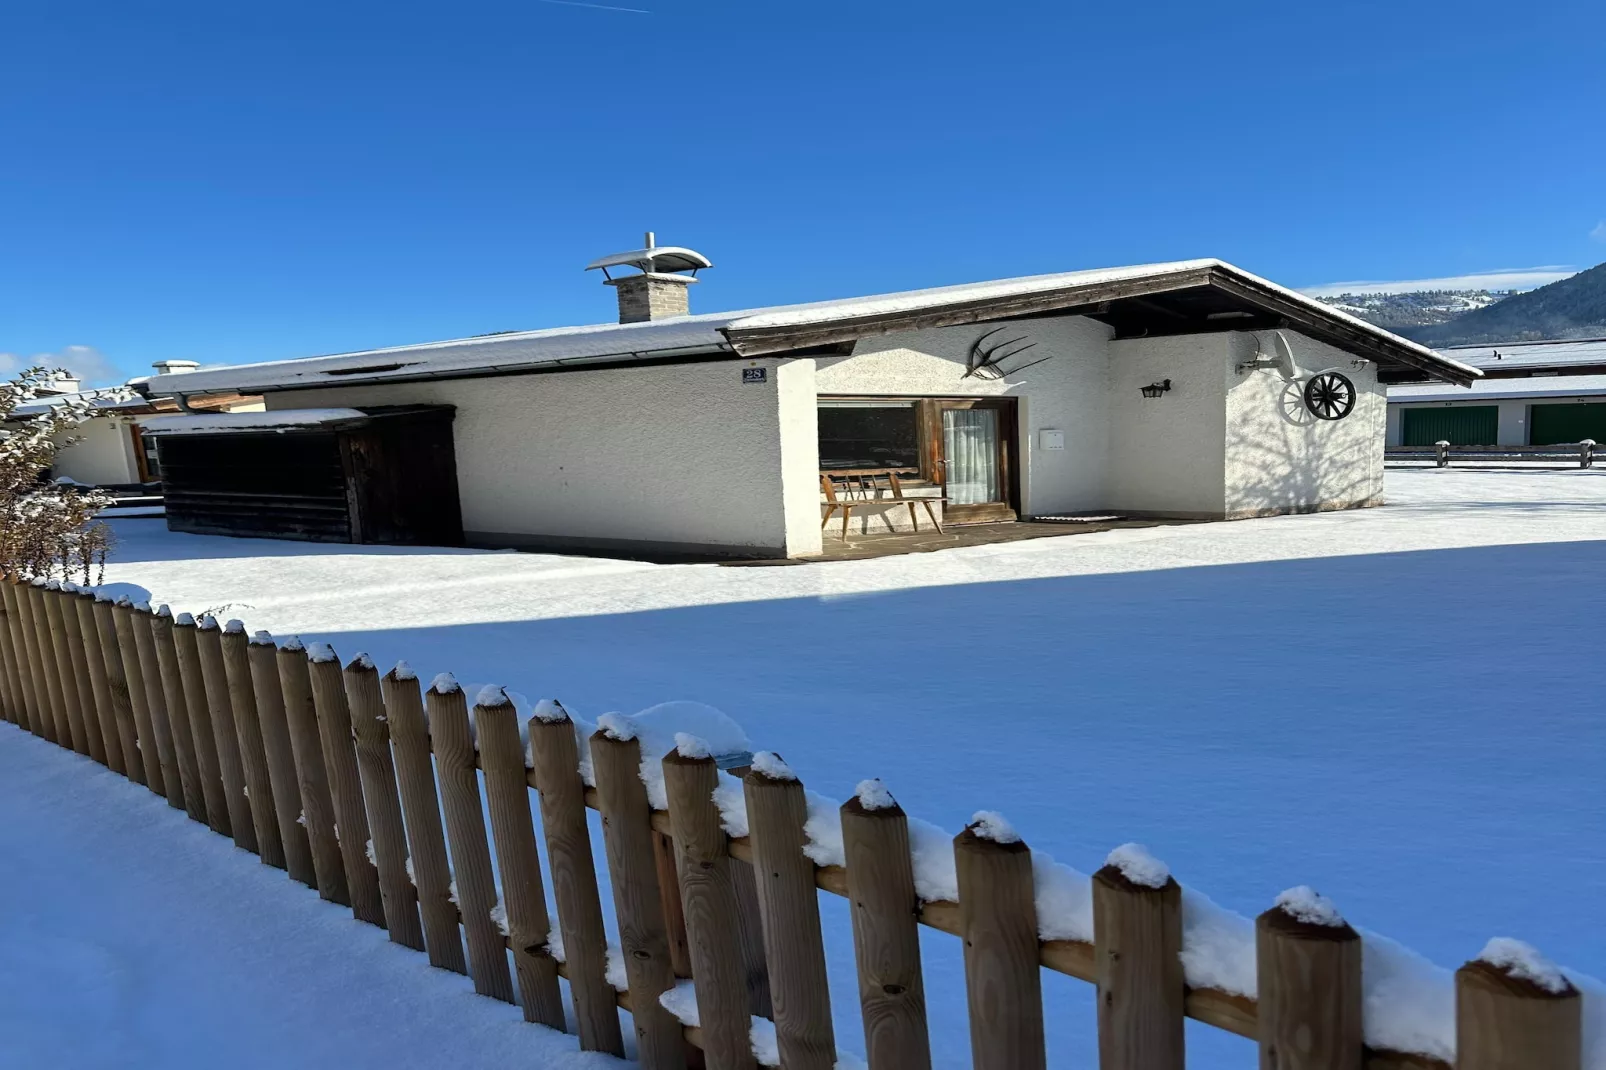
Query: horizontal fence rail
point(368, 788)
point(1443, 454)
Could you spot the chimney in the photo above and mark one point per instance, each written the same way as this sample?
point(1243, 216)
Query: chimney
point(174, 367)
point(658, 291)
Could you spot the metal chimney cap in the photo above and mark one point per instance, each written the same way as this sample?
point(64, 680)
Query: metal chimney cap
point(653, 258)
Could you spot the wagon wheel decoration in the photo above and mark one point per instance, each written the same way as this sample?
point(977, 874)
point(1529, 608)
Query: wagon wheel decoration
point(1329, 395)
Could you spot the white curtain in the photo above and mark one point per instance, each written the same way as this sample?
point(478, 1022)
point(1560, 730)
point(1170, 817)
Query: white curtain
point(970, 445)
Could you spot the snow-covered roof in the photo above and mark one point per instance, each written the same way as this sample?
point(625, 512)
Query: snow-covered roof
point(1516, 355)
point(767, 330)
point(224, 422)
point(1533, 386)
point(654, 258)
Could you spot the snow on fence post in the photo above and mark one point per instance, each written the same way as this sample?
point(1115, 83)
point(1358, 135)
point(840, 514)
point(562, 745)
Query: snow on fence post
point(1137, 941)
point(56, 727)
point(317, 805)
point(267, 699)
point(1586, 453)
point(426, 841)
point(525, 920)
point(93, 680)
point(88, 710)
point(345, 784)
point(165, 639)
point(555, 754)
point(378, 777)
point(1515, 1011)
point(886, 934)
point(789, 909)
point(628, 835)
point(220, 716)
point(1308, 963)
point(465, 828)
point(998, 920)
point(21, 646)
point(708, 895)
point(141, 633)
point(130, 742)
point(70, 729)
point(260, 795)
point(1441, 453)
point(203, 737)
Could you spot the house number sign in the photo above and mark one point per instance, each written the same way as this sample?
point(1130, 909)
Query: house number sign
point(755, 375)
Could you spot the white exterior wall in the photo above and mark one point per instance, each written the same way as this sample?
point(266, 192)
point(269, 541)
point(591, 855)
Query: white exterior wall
point(103, 454)
point(1168, 454)
point(681, 457)
point(1512, 429)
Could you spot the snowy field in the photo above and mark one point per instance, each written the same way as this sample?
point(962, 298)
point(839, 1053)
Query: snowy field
point(1400, 706)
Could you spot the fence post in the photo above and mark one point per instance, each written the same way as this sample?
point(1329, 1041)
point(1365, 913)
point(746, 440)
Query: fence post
point(267, 697)
point(529, 930)
point(15, 711)
point(220, 716)
point(1137, 947)
point(317, 807)
point(203, 741)
point(998, 917)
point(708, 895)
point(129, 742)
point(142, 631)
point(1441, 453)
point(1511, 1016)
point(1308, 961)
point(78, 662)
point(886, 934)
point(345, 783)
point(663, 853)
point(21, 649)
point(628, 835)
point(72, 703)
point(789, 910)
point(125, 651)
point(93, 680)
point(1586, 453)
point(55, 711)
point(475, 884)
point(556, 757)
point(378, 774)
point(261, 797)
point(426, 842)
point(165, 639)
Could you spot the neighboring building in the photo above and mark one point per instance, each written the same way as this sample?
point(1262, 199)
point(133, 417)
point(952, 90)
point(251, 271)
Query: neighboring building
point(1532, 394)
point(1167, 390)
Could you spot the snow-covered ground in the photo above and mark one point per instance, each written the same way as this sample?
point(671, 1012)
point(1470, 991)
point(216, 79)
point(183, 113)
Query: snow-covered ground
point(1400, 707)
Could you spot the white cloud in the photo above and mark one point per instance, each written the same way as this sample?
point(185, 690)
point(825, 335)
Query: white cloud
point(86, 362)
point(1599, 233)
point(1509, 279)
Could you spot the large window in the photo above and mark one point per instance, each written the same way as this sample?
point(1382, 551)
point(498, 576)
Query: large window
point(879, 434)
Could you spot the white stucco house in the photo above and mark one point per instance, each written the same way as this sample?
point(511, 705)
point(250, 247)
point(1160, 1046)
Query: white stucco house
point(1180, 389)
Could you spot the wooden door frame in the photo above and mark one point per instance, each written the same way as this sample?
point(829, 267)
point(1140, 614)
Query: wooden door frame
point(1008, 409)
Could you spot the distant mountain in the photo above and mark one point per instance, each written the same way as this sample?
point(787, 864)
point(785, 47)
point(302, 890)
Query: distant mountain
point(1426, 308)
point(1574, 307)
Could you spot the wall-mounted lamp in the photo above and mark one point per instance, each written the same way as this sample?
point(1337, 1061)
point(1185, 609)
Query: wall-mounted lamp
point(1154, 390)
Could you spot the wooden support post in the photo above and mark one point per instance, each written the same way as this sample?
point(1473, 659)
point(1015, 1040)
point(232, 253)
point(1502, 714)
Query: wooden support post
point(317, 807)
point(708, 894)
point(998, 916)
point(1309, 1013)
point(1505, 1021)
point(202, 735)
point(22, 646)
point(465, 827)
point(78, 661)
point(267, 696)
point(790, 911)
point(253, 755)
point(176, 702)
point(15, 711)
point(378, 775)
point(129, 742)
point(1137, 947)
point(125, 651)
point(70, 729)
point(663, 851)
point(886, 935)
point(93, 681)
point(345, 784)
point(568, 849)
point(426, 842)
point(637, 902)
point(142, 633)
point(225, 738)
point(48, 681)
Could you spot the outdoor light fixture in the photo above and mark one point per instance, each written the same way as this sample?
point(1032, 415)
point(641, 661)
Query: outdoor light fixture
point(1154, 390)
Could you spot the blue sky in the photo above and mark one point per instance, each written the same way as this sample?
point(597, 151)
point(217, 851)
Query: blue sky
point(234, 182)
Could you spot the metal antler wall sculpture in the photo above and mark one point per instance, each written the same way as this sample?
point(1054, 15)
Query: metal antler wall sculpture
point(986, 360)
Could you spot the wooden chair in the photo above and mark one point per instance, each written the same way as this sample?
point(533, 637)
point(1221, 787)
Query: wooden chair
point(868, 486)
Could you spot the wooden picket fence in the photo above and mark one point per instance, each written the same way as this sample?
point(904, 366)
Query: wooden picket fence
point(342, 777)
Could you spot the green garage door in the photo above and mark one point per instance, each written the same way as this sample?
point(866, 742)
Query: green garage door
point(1459, 425)
point(1549, 424)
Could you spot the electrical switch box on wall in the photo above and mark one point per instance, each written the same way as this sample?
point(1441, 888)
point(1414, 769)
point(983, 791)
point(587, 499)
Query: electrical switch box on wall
point(1051, 440)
